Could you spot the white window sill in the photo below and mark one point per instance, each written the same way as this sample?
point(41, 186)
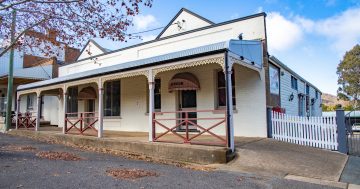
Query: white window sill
point(224, 108)
point(112, 117)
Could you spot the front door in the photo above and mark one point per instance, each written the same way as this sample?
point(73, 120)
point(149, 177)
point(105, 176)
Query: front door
point(90, 111)
point(187, 102)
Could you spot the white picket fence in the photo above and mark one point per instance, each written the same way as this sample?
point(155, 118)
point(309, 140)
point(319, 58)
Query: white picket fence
point(319, 132)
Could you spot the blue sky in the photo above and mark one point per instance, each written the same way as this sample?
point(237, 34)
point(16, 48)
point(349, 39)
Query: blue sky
point(309, 36)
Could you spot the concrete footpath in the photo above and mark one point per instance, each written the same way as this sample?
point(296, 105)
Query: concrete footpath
point(351, 173)
point(269, 157)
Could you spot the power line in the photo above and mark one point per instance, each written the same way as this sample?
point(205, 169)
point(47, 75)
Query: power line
point(150, 30)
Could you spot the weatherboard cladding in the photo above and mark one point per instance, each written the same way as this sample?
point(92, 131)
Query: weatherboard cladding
point(283, 66)
point(231, 45)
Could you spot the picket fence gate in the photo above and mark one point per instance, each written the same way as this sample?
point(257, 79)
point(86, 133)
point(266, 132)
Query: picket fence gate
point(319, 132)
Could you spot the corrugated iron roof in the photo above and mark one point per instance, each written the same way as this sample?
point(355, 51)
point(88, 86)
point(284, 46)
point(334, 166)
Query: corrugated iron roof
point(248, 50)
point(38, 72)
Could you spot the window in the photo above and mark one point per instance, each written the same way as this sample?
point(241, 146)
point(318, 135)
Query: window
point(316, 94)
point(294, 83)
point(72, 101)
point(274, 80)
point(307, 90)
point(157, 94)
point(30, 102)
point(221, 91)
point(112, 98)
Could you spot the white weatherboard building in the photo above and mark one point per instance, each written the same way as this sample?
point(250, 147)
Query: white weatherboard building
point(297, 96)
point(196, 78)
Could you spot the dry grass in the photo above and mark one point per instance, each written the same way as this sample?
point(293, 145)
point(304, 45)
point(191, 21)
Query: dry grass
point(130, 174)
point(58, 156)
point(18, 148)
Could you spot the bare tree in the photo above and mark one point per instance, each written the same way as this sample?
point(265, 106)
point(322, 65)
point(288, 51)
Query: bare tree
point(73, 21)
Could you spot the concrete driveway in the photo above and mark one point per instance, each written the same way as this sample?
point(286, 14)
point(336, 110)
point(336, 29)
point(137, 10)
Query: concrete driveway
point(275, 158)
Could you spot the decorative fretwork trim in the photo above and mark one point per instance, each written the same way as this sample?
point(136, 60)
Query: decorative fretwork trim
point(218, 60)
point(125, 75)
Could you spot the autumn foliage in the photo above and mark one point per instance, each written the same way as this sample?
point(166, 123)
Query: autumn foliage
point(73, 21)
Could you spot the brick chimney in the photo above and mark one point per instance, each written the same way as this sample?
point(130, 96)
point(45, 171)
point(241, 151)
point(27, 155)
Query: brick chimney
point(52, 34)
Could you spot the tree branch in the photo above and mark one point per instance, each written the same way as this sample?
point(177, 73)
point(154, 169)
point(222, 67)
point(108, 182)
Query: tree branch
point(12, 44)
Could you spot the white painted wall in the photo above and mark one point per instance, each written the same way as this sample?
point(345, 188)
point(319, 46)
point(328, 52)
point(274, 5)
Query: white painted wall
point(251, 29)
point(90, 50)
point(249, 84)
point(191, 22)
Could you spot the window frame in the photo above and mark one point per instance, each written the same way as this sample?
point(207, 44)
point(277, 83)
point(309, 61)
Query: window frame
point(30, 102)
point(72, 101)
point(294, 83)
point(157, 82)
point(113, 113)
point(307, 90)
point(217, 88)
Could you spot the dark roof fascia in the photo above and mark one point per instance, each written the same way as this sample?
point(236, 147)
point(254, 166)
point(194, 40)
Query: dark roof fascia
point(273, 59)
point(96, 44)
point(138, 67)
point(175, 35)
point(177, 15)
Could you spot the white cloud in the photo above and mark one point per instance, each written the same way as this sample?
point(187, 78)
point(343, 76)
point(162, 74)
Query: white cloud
point(342, 30)
point(282, 33)
point(143, 22)
point(259, 10)
point(304, 23)
point(148, 37)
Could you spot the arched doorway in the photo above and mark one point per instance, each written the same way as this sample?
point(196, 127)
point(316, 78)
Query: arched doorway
point(185, 85)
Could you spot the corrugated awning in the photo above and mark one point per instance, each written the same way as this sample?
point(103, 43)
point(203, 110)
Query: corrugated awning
point(184, 81)
point(87, 93)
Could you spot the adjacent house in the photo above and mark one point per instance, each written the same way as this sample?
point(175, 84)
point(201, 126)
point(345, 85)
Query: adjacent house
point(292, 93)
point(197, 79)
point(30, 65)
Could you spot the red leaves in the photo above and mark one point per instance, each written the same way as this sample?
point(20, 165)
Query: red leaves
point(130, 174)
point(75, 22)
point(58, 156)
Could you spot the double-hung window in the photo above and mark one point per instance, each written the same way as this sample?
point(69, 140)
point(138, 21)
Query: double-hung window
point(30, 102)
point(72, 101)
point(294, 83)
point(112, 98)
point(221, 90)
point(157, 94)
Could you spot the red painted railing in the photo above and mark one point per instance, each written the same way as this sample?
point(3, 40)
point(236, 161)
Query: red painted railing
point(185, 127)
point(26, 120)
point(79, 122)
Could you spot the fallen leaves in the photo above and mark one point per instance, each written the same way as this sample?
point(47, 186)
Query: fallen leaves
point(124, 154)
point(58, 156)
point(18, 148)
point(130, 174)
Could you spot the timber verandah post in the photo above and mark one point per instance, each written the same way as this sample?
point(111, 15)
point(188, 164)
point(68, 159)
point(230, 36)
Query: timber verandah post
point(101, 111)
point(17, 112)
point(229, 103)
point(151, 106)
point(38, 109)
point(65, 109)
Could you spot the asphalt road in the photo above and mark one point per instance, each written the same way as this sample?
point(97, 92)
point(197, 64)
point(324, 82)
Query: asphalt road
point(23, 169)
